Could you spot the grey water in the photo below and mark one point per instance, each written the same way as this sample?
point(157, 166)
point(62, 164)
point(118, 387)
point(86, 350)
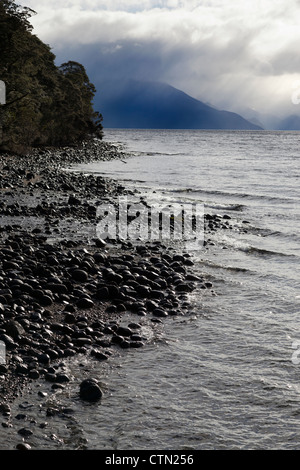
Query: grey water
point(227, 374)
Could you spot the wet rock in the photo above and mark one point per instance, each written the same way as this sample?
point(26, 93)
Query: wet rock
point(117, 339)
point(23, 446)
point(22, 369)
point(80, 275)
point(123, 331)
point(62, 378)
point(82, 341)
point(34, 374)
point(136, 344)
point(159, 312)
point(73, 200)
point(8, 341)
point(90, 390)
point(85, 303)
point(25, 432)
point(5, 409)
point(156, 294)
point(99, 355)
point(50, 377)
point(14, 329)
point(183, 287)
point(102, 293)
point(3, 368)
point(21, 416)
point(43, 358)
point(46, 300)
point(134, 326)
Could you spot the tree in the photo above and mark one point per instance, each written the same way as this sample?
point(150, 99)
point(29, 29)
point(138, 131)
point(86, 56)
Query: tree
point(46, 104)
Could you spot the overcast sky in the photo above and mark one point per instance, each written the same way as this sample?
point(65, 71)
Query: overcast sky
point(233, 54)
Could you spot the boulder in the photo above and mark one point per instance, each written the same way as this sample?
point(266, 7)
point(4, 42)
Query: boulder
point(90, 390)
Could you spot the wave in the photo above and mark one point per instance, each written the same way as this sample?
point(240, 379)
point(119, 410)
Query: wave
point(249, 248)
point(233, 194)
point(237, 269)
point(226, 207)
point(263, 252)
point(160, 154)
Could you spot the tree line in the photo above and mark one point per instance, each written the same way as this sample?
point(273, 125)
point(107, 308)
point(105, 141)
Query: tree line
point(46, 104)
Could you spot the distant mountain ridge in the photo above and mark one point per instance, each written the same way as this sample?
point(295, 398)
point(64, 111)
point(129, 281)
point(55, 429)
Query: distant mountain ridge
point(290, 123)
point(154, 105)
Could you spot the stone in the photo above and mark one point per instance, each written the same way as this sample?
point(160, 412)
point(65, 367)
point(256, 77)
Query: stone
point(14, 329)
point(136, 344)
point(123, 331)
point(22, 369)
point(4, 408)
point(80, 275)
point(85, 302)
point(90, 390)
point(25, 432)
point(50, 377)
point(62, 378)
point(159, 312)
point(3, 369)
point(99, 355)
point(9, 342)
point(23, 446)
point(102, 293)
point(74, 201)
point(43, 358)
point(34, 374)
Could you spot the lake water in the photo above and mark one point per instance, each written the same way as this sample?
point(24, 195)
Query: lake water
point(226, 375)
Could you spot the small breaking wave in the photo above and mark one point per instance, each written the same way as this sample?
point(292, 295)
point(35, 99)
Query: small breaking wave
point(226, 207)
point(234, 194)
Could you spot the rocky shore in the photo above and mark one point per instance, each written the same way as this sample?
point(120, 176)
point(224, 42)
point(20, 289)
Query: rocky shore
point(63, 290)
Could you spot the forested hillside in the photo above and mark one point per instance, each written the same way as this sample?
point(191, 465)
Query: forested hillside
point(45, 104)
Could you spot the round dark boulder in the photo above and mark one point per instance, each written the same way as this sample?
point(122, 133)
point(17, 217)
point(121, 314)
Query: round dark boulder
point(103, 293)
point(99, 355)
point(123, 331)
point(3, 369)
point(14, 329)
point(80, 275)
point(62, 378)
point(23, 446)
point(25, 432)
point(46, 301)
point(159, 312)
point(90, 390)
point(8, 341)
point(85, 302)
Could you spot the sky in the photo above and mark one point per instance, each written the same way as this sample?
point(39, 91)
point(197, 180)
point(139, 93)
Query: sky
point(235, 54)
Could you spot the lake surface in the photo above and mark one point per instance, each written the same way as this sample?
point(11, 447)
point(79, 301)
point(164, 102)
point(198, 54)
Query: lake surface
point(227, 374)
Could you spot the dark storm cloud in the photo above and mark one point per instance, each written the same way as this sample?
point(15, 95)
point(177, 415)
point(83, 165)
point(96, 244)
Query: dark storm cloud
point(237, 53)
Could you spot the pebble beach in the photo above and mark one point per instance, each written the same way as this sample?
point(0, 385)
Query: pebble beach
point(63, 290)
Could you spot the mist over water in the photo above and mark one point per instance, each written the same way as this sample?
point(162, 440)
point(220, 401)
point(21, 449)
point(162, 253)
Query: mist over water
point(224, 376)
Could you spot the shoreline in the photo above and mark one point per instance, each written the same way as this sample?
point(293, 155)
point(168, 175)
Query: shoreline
point(62, 290)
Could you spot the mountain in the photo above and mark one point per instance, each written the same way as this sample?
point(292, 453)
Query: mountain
point(267, 121)
point(154, 105)
point(290, 123)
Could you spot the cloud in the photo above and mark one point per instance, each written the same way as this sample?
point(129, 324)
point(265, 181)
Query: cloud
point(231, 54)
